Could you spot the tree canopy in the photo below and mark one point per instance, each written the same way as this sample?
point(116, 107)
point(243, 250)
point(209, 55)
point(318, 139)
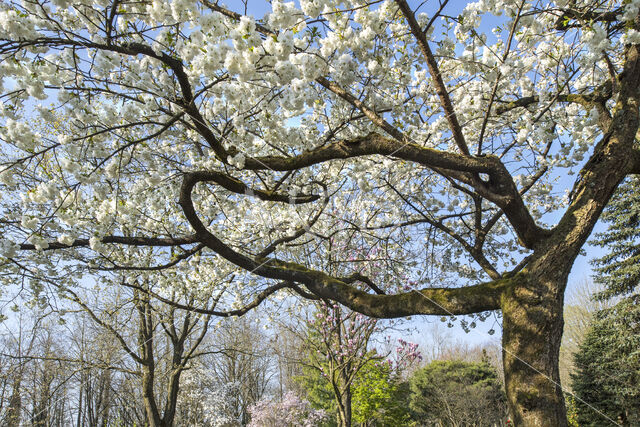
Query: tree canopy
point(414, 147)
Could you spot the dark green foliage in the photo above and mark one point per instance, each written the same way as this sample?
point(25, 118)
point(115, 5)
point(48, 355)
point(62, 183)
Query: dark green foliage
point(457, 393)
point(619, 270)
point(608, 367)
point(608, 361)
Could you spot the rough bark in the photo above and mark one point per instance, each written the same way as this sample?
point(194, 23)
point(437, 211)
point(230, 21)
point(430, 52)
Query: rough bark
point(145, 342)
point(532, 331)
point(532, 310)
point(150, 406)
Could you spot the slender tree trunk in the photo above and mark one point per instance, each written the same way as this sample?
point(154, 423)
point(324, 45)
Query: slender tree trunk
point(106, 401)
point(150, 406)
point(173, 389)
point(14, 411)
point(148, 365)
point(80, 409)
point(346, 404)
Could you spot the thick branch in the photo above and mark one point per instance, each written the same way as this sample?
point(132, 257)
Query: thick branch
point(434, 70)
point(568, 15)
point(586, 100)
point(122, 240)
point(613, 158)
point(237, 186)
point(433, 301)
point(369, 145)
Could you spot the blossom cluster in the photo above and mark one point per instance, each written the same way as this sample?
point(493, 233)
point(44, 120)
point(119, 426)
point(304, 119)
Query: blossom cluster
point(291, 411)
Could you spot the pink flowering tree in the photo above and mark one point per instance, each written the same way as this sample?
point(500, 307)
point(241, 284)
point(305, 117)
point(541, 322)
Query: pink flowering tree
point(342, 362)
point(338, 342)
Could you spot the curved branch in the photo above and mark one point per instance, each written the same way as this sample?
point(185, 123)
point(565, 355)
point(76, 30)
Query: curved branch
point(238, 312)
point(75, 298)
point(137, 48)
point(169, 264)
point(236, 186)
point(357, 277)
point(440, 301)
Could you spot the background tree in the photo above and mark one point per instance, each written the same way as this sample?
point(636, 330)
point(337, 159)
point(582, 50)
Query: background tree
point(618, 272)
point(608, 366)
point(191, 131)
point(119, 358)
point(288, 348)
point(338, 343)
point(159, 358)
point(291, 411)
point(381, 392)
point(40, 376)
point(242, 361)
point(457, 393)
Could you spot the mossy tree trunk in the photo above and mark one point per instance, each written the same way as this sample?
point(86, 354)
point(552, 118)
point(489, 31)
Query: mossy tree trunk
point(532, 332)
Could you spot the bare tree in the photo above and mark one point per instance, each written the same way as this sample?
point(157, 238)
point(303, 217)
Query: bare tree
point(161, 345)
point(243, 359)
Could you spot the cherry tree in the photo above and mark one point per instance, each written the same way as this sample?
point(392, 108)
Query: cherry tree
point(241, 152)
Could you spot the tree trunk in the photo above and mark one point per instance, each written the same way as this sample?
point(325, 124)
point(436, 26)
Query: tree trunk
point(14, 411)
point(173, 389)
point(346, 403)
point(532, 332)
point(80, 408)
point(344, 408)
point(150, 406)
